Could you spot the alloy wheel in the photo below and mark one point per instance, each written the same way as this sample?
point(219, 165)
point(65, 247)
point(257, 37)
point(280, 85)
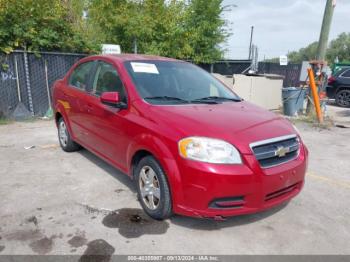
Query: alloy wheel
point(149, 187)
point(63, 133)
point(343, 98)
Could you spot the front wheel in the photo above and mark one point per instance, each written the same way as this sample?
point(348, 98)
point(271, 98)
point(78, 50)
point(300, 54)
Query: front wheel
point(153, 189)
point(342, 98)
point(66, 142)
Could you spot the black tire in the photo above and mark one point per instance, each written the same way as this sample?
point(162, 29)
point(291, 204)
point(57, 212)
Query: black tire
point(68, 144)
point(342, 98)
point(164, 207)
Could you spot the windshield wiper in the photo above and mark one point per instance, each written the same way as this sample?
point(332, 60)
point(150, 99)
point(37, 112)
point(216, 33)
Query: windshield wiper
point(204, 100)
point(167, 98)
point(216, 98)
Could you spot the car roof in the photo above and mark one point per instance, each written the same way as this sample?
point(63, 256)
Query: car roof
point(135, 57)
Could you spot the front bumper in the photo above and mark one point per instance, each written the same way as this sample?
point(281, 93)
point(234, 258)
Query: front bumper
point(227, 190)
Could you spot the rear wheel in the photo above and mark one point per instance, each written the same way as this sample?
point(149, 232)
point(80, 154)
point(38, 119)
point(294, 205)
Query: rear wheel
point(342, 98)
point(152, 188)
point(66, 142)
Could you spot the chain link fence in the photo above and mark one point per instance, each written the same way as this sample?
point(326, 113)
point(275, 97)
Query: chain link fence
point(290, 72)
point(227, 67)
point(27, 78)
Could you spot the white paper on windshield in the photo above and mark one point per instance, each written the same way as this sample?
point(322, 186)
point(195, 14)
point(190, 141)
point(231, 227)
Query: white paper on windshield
point(144, 68)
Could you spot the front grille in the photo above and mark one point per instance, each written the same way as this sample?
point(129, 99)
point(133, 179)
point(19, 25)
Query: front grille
point(276, 151)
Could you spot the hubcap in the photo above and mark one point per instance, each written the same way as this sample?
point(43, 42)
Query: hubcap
point(149, 187)
point(62, 133)
point(344, 98)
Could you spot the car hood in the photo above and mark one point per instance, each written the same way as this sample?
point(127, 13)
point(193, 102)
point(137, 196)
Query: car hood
point(239, 123)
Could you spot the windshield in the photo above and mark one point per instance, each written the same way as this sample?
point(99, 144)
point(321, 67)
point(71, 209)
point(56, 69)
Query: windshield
point(167, 82)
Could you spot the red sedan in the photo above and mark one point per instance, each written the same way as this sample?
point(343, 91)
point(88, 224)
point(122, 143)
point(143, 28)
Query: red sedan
point(192, 146)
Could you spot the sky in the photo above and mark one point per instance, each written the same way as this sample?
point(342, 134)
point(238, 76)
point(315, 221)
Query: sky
point(279, 25)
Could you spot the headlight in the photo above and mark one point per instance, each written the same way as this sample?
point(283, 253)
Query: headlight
point(209, 150)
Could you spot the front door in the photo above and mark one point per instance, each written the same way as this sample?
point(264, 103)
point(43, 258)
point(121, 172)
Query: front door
point(106, 124)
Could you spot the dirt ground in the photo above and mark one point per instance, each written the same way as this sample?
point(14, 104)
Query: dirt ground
point(52, 202)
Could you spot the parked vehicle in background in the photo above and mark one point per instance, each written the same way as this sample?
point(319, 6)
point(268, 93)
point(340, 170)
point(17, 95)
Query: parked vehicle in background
point(339, 66)
point(192, 146)
point(339, 87)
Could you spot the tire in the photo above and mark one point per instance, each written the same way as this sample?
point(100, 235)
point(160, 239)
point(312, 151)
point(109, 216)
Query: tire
point(66, 142)
point(152, 187)
point(342, 98)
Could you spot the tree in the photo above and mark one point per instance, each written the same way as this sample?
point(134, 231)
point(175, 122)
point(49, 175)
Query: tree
point(339, 47)
point(205, 27)
point(185, 29)
point(182, 29)
point(37, 25)
point(304, 54)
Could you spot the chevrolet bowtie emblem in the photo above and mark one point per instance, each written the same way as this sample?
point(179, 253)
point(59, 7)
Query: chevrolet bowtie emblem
point(281, 151)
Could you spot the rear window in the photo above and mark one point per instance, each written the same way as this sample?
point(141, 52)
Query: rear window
point(346, 73)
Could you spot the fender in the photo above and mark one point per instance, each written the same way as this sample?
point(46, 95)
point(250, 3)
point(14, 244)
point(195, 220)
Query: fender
point(339, 88)
point(61, 107)
point(162, 153)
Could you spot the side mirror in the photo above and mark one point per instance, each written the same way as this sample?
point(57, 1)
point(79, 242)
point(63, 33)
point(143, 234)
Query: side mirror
point(111, 99)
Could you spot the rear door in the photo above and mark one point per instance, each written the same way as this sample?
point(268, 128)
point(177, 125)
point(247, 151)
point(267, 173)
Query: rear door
point(73, 93)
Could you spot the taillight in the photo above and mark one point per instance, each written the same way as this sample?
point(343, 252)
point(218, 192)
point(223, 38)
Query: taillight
point(331, 80)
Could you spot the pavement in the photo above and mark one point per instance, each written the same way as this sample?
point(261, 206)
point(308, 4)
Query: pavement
point(52, 202)
point(340, 116)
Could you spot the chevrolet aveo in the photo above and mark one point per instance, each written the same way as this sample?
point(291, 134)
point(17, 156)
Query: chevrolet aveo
point(192, 146)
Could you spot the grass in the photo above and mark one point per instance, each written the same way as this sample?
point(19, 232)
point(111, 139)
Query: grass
point(311, 119)
point(5, 121)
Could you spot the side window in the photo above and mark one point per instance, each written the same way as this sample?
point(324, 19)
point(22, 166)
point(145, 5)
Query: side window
point(107, 80)
point(80, 76)
point(346, 74)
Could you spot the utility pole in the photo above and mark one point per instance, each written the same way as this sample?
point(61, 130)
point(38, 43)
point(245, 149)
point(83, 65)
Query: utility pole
point(251, 42)
point(318, 83)
point(135, 45)
point(326, 26)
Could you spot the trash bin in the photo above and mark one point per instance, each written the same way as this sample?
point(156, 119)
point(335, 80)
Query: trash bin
point(293, 100)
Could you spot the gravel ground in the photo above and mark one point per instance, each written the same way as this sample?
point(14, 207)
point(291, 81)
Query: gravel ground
point(53, 202)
